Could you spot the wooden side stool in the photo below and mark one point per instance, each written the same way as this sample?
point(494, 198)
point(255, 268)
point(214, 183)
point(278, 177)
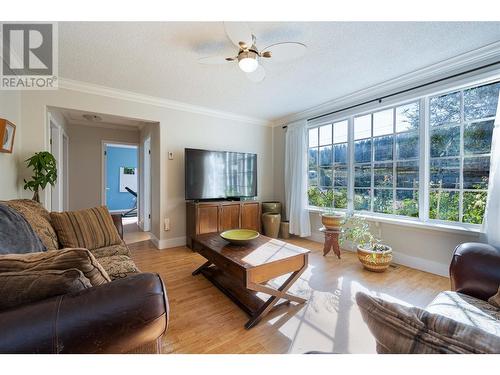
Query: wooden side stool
point(331, 241)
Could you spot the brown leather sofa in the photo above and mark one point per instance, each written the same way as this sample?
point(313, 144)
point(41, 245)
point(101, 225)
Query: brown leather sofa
point(119, 317)
point(127, 315)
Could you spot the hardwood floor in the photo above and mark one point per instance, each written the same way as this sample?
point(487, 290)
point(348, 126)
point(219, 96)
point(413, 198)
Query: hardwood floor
point(203, 320)
point(131, 231)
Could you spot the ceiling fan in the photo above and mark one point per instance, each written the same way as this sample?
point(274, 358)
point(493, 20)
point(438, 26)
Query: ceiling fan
point(249, 57)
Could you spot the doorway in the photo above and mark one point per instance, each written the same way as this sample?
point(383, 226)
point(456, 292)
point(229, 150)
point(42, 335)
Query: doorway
point(83, 139)
point(121, 178)
point(146, 197)
point(122, 192)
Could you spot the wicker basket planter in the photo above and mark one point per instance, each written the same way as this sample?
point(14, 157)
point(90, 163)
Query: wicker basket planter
point(331, 221)
point(375, 261)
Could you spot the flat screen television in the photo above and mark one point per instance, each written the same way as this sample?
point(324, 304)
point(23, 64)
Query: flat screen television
point(219, 174)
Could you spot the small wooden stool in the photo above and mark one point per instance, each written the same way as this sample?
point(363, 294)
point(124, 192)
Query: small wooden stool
point(331, 241)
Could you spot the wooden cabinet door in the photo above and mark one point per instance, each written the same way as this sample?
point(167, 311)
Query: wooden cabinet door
point(250, 216)
point(229, 216)
point(208, 218)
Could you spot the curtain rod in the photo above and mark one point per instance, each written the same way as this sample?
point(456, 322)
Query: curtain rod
point(402, 91)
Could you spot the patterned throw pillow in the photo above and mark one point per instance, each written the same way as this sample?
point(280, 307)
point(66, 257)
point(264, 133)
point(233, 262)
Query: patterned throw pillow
point(81, 259)
point(18, 288)
point(39, 219)
point(16, 235)
point(495, 300)
point(90, 229)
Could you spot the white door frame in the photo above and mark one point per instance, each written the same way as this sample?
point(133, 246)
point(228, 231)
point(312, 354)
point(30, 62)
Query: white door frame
point(146, 183)
point(56, 193)
point(65, 153)
point(104, 166)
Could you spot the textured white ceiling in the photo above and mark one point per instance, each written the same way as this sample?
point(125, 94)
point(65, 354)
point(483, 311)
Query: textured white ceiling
point(160, 59)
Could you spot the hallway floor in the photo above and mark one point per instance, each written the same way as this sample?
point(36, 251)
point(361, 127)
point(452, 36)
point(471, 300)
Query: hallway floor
point(131, 231)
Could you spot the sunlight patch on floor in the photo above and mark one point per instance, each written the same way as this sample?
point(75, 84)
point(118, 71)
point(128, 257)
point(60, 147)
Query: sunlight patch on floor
point(330, 321)
point(131, 231)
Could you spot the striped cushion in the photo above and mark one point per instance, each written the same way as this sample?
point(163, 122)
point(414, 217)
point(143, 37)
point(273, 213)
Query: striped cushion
point(90, 229)
point(81, 259)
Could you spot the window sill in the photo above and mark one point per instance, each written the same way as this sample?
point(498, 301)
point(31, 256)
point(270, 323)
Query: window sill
point(474, 230)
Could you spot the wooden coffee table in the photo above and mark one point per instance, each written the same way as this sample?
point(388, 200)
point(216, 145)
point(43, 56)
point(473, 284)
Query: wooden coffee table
point(243, 271)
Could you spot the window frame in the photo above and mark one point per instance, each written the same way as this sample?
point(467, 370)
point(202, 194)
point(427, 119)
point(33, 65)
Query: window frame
point(318, 166)
point(424, 159)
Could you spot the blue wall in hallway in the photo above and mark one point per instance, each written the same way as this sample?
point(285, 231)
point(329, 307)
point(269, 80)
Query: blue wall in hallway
point(119, 157)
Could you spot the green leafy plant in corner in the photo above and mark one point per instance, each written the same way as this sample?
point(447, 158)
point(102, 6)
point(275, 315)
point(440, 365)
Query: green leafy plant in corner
point(44, 168)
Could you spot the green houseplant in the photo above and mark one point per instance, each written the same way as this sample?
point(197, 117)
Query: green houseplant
point(44, 168)
point(324, 199)
point(373, 255)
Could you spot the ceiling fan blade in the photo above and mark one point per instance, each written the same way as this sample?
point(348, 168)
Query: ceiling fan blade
point(258, 75)
point(286, 51)
point(213, 60)
point(239, 32)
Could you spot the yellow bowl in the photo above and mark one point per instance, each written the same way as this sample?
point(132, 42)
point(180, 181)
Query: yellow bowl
point(239, 236)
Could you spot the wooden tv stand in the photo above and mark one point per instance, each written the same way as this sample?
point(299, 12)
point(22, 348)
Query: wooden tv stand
point(218, 216)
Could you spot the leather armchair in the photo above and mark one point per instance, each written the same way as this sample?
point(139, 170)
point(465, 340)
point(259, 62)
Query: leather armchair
point(475, 270)
point(116, 317)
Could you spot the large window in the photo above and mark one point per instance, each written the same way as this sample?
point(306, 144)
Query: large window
point(328, 168)
point(379, 166)
point(386, 155)
point(461, 127)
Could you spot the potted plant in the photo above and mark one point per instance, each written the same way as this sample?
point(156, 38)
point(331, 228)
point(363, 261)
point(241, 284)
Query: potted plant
point(324, 199)
point(330, 219)
point(44, 172)
point(373, 255)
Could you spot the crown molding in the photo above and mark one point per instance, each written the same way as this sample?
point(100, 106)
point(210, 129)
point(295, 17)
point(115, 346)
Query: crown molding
point(455, 64)
point(110, 92)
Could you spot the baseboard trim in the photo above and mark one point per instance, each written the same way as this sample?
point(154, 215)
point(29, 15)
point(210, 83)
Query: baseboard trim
point(317, 237)
point(403, 259)
point(168, 242)
point(421, 264)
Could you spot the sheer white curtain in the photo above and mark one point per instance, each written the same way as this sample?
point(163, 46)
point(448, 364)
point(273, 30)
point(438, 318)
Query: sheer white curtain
point(296, 178)
point(491, 224)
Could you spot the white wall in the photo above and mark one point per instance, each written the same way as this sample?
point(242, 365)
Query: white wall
point(178, 129)
point(425, 249)
point(10, 109)
point(85, 162)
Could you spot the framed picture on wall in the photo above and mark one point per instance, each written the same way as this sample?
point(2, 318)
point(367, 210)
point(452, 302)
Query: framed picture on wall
point(7, 133)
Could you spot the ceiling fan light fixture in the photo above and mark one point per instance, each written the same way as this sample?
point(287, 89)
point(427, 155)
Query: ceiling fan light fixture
point(247, 61)
point(248, 65)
